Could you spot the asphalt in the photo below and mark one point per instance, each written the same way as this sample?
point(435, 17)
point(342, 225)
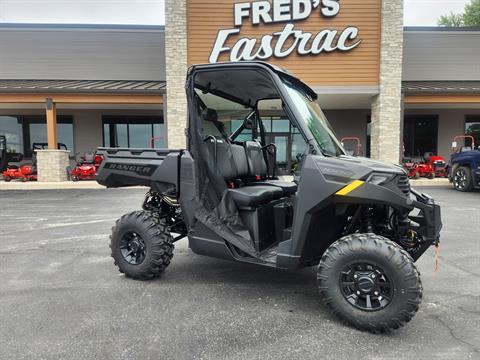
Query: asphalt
point(61, 297)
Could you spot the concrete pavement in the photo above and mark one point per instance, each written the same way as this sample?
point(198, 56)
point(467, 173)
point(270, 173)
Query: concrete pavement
point(61, 297)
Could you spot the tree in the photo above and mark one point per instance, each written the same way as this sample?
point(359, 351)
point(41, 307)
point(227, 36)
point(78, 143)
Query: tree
point(470, 16)
point(451, 20)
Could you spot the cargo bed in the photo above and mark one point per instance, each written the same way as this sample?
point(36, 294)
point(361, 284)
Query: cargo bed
point(155, 168)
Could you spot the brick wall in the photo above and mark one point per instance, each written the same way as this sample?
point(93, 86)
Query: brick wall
point(176, 69)
point(386, 107)
point(52, 165)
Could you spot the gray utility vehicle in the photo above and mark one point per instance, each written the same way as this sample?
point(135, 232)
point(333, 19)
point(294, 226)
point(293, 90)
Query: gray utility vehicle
point(357, 219)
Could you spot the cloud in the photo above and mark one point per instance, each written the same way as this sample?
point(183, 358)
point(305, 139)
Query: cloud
point(427, 12)
point(151, 12)
point(145, 12)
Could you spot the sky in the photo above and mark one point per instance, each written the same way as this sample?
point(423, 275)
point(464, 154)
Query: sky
point(151, 12)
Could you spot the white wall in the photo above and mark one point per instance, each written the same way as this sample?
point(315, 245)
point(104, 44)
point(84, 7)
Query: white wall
point(82, 53)
point(441, 55)
point(348, 123)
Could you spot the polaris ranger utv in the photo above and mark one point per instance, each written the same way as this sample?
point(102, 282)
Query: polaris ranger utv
point(357, 219)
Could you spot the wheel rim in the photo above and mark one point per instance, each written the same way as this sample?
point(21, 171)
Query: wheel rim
point(366, 286)
point(460, 179)
point(133, 248)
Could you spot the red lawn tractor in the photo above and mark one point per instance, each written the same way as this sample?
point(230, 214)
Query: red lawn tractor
point(87, 167)
point(26, 172)
point(431, 167)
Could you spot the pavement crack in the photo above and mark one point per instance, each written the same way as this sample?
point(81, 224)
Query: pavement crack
point(457, 338)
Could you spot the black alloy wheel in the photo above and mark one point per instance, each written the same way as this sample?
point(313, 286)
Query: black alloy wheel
point(141, 244)
point(369, 282)
point(366, 286)
point(462, 179)
point(132, 248)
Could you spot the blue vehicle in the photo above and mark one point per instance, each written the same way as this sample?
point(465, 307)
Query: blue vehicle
point(464, 169)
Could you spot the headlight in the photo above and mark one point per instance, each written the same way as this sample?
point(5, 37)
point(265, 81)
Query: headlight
point(379, 178)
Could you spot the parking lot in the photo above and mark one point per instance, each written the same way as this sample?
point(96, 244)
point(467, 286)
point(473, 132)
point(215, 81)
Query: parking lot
point(61, 297)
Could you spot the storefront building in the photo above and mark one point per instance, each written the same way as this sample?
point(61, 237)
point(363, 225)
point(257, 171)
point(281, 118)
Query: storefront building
point(400, 91)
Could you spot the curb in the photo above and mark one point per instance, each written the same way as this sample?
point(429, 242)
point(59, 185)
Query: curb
point(429, 182)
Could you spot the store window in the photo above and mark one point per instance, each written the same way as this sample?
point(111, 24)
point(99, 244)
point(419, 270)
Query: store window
point(472, 128)
point(420, 135)
point(134, 131)
point(22, 132)
point(11, 128)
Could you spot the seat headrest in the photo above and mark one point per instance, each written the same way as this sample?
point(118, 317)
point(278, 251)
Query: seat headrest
point(210, 115)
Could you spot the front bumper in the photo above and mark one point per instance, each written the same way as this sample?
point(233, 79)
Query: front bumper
point(422, 211)
point(429, 220)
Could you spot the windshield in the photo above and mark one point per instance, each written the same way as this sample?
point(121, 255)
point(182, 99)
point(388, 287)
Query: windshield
point(312, 117)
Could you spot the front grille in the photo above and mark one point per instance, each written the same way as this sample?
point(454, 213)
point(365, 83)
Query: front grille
point(404, 184)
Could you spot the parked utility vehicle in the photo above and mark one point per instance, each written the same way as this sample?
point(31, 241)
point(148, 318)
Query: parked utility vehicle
point(464, 169)
point(357, 219)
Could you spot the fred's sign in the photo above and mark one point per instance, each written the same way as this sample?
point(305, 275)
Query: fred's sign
point(291, 38)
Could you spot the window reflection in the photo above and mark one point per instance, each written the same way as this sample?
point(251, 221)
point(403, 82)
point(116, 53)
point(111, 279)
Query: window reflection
point(11, 128)
point(472, 128)
point(133, 131)
point(22, 132)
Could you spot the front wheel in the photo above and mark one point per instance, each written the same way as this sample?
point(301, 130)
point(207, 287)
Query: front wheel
point(370, 282)
point(141, 245)
point(462, 179)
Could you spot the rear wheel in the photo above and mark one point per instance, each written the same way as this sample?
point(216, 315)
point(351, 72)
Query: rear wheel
point(7, 178)
point(462, 179)
point(370, 282)
point(141, 245)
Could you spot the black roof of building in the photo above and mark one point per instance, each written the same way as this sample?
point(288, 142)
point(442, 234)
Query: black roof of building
point(82, 86)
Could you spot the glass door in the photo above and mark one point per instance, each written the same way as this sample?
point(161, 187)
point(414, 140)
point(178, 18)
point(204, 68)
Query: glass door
point(420, 135)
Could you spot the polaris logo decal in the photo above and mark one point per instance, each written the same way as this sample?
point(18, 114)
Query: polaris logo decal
point(144, 170)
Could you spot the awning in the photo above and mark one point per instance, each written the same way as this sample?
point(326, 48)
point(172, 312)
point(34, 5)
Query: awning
point(82, 86)
point(441, 87)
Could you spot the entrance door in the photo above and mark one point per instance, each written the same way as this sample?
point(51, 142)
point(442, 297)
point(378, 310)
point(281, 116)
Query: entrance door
point(420, 135)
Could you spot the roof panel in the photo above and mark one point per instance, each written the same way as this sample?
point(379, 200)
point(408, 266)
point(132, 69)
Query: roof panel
point(443, 87)
point(74, 86)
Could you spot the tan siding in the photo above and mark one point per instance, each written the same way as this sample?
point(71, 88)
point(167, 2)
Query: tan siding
point(359, 66)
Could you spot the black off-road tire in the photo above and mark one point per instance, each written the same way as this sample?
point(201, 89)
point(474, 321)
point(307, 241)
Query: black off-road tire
point(397, 265)
point(7, 179)
point(156, 238)
point(467, 184)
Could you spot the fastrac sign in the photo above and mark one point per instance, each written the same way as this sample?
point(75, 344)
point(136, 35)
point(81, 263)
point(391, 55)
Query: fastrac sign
point(291, 38)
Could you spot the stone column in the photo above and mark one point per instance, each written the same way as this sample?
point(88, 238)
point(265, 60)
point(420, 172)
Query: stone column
point(52, 165)
point(386, 107)
point(176, 66)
